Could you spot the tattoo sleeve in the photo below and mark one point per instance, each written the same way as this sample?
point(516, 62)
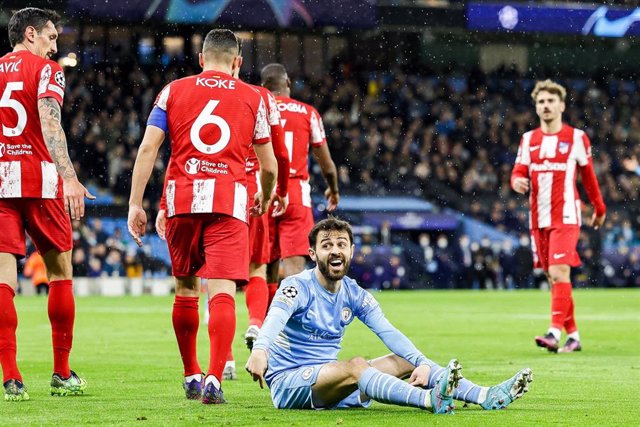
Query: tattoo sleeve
point(54, 136)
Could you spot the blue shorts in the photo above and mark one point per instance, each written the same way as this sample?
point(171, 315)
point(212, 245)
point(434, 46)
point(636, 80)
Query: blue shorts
point(292, 390)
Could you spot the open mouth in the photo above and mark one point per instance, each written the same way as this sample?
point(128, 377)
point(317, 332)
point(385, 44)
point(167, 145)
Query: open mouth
point(336, 263)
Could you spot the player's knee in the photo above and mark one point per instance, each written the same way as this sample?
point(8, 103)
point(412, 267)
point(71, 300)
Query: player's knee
point(357, 365)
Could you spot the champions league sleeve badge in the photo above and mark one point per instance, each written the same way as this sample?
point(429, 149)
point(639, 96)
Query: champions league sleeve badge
point(290, 292)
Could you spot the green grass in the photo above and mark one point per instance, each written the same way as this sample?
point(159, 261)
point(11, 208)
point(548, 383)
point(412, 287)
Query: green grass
point(126, 349)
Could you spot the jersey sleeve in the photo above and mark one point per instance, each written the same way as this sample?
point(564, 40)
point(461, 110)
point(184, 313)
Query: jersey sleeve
point(163, 98)
point(291, 297)
point(272, 109)
point(318, 136)
point(51, 82)
point(262, 130)
point(588, 175)
point(523, 159)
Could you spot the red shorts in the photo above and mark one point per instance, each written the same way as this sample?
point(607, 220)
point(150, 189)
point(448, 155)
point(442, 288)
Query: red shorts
point(289, 233)
point(46, 221)
point(210, 246)
point(555, 246)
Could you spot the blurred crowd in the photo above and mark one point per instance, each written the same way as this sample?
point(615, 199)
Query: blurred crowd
point(451, 139)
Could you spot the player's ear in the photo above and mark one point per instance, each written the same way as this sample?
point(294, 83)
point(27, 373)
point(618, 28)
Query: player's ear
point(312, 254)
point(562, 106)
point(353, 250)
point(201, 60)
point(30, 34)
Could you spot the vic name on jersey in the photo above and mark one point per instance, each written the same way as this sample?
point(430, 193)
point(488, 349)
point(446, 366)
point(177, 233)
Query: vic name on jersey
point(11, 67)
point(216, 83)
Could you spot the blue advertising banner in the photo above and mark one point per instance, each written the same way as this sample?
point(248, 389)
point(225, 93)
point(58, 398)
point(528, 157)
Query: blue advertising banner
point(603, 21)
point(236, 13)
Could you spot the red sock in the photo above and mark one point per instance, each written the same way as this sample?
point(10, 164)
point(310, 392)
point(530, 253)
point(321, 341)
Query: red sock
point(222, 328)
point(560, 303)
point(230, 356)
point(62, 313)
point(273, 288)
point(570, 321)
point(8, 326)
point(186, 321)
point(257, 295)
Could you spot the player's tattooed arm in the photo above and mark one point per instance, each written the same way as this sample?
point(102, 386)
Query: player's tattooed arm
point(54, 137)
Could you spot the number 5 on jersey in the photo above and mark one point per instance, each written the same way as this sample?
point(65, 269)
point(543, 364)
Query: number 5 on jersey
point(6, 101)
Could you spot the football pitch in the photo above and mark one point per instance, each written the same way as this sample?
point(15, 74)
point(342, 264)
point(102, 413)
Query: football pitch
point(126, 349)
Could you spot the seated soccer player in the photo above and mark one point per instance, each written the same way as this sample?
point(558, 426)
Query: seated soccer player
point(299, 343)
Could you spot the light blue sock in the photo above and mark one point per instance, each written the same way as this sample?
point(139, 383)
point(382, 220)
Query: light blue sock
point(466, 391)
point(386, 388)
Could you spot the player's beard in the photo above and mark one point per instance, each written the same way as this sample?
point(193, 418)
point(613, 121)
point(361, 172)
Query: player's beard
point(329, 272)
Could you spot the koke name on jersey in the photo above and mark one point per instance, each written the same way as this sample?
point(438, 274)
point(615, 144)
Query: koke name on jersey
point(216, 83)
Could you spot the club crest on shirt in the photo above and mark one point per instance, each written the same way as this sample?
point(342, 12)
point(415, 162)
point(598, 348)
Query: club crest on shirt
point(306, 374)
point(346, 314)
point(290, 292)
point(59, 77)
point(192, 166)
point(563, 147)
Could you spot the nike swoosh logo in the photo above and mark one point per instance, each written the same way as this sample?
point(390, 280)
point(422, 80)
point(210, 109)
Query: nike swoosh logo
point(533, 148)
point(558, 256)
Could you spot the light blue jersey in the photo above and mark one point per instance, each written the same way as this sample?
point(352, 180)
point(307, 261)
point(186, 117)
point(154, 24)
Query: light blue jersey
point(306, 323)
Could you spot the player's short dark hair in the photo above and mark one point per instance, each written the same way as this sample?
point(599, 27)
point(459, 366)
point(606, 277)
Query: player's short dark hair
point(331, 223)
point(29, 17)
point(274, 77)
point(221, 42)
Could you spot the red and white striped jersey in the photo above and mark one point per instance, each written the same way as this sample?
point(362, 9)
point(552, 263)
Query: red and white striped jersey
point(213, 119)
point(26, 167)
point(302, 128)
point(273, 117)
point(551, 162)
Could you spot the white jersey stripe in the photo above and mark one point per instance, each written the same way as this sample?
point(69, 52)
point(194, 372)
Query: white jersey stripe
point(10, 179)
point(306, 193)
point(545, 183)
point(524, 155)
point(49, 180)
point(56, 89)
point(170, 193)
point(203, 191)
point(240, 202)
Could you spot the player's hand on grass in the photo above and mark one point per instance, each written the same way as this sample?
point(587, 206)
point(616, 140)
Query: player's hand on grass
point(260, 205)
point(597, 220)
point(74, 194)
point(521, 185)
point(137, 223)
point(257, 365)
point(420, 376)
point(332, 199)
point(279, 203)
point(161, 224)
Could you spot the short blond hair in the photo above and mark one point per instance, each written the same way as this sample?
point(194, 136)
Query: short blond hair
point(549, 86)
